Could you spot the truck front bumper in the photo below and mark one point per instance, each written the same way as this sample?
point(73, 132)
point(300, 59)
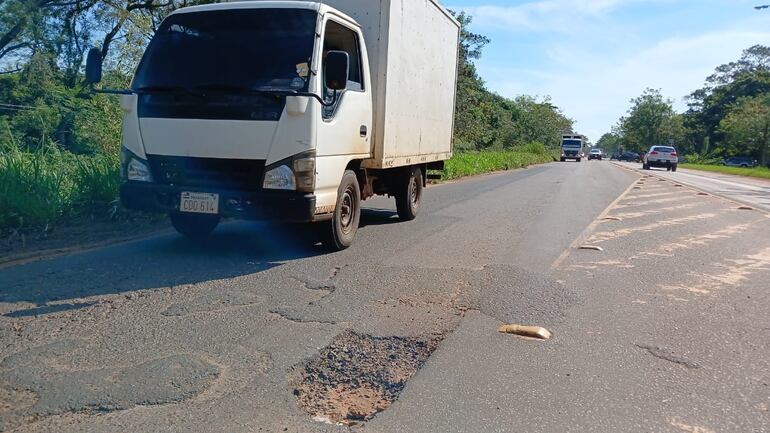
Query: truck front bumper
point(288, 206)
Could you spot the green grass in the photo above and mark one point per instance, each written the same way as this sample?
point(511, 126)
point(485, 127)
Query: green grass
point(473, 163)
point(38, 189)
point(759, 172)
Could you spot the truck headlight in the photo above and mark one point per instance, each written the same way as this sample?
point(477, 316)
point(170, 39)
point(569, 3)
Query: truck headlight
point(133, 168)
point(295, 174)
point(280, 177)
point(304, 171)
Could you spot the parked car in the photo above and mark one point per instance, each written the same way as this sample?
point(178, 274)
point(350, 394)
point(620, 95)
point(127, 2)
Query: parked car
point(595, 154)
point(740, 161)
point(661, 156)
point(629, 156)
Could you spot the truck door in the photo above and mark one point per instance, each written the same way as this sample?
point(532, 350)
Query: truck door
point(347, 125)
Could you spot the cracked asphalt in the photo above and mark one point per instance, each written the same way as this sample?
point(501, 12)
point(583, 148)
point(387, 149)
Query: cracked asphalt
point(665, 329)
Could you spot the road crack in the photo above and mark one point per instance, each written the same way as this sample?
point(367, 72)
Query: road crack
point(327, 285)
point(297, 319)
point(667, 355)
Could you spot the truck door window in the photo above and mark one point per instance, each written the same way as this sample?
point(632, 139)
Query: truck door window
point(341, 38)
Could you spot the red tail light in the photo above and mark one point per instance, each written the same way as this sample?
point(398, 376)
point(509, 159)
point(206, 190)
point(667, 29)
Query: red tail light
point(673, 154)
point(654, 152)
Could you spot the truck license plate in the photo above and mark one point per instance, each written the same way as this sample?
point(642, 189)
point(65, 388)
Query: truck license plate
point(199, 202)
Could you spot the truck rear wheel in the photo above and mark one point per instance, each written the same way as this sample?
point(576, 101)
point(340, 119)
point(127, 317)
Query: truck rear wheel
point(194, 226)
point(338, 233)
point(409, 195)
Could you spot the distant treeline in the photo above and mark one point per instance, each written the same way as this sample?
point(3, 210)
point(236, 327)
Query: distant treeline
point(728, 116)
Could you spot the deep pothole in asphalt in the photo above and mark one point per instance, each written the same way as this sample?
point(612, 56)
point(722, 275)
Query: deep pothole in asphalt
point(358, 375)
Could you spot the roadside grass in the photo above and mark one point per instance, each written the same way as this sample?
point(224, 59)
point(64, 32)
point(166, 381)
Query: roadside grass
point(465, 164)
point(759, 172)
point(39, 189)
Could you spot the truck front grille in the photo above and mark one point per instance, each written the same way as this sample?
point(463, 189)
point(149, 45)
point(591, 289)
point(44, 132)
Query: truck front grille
point(243, 174)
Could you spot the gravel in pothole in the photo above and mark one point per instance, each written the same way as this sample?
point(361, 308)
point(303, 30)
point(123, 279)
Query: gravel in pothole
point(358, 375)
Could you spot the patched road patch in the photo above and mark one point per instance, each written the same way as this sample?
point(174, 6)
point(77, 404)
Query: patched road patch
point(53, 391)
point(358, 375)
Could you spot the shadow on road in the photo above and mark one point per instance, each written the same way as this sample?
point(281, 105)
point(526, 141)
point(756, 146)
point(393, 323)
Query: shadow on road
point(235, 249)
point(377, 217)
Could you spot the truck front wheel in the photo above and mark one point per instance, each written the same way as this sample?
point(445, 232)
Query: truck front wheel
point(409, 195)
point(338, 234)
point(194, 226)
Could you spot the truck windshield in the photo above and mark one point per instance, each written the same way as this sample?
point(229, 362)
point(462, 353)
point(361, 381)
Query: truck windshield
point(571, 143)
point(230, 50)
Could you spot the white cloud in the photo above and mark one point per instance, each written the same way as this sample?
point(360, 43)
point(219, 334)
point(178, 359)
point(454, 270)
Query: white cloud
point(545, 15)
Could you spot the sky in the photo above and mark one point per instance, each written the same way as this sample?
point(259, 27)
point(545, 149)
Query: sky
point(592, 56)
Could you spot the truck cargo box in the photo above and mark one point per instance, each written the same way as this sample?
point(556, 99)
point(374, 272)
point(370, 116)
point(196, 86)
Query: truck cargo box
point(413, 57)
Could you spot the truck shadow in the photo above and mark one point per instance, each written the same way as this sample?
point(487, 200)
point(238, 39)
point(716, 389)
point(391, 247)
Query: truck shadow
point(378, 217)
point(235, 249)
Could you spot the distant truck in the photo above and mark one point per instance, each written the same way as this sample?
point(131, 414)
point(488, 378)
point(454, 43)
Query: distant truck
point(573, 147)
point(288, 110)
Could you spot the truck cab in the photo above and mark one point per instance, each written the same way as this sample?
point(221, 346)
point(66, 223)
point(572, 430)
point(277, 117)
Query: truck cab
point(573, 147)
point(265, 110)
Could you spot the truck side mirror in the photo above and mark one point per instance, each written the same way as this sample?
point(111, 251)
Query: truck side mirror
point(94, 66)
point(336, 70)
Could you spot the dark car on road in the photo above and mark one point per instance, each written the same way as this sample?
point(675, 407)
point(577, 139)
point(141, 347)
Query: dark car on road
point(629, 156)
point(740, 161)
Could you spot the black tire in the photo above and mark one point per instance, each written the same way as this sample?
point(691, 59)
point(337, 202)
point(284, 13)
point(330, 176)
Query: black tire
point(578, 160)
point(673, 167)
point(562, 160)
point(409, 195)
point(194, 226)
point(338, 234)
point(645, 166)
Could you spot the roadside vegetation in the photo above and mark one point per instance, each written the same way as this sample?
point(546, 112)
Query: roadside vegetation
point(473, 163)
point(728, 116)
point(59, 142)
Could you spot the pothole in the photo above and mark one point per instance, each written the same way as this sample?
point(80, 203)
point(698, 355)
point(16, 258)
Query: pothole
point(358, 375)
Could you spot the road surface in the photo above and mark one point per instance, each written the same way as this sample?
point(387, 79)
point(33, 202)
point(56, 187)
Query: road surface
point(751, 191)
point(664, 328)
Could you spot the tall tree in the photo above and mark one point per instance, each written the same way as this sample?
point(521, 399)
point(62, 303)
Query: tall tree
point(651, 120)
point(747, 127)
point(748, 76)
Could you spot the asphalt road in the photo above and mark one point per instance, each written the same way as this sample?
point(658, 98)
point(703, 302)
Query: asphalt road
point(751, 191)
point(666, 329)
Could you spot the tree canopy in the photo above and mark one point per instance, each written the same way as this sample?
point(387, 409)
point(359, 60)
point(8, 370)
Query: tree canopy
point(725, 117)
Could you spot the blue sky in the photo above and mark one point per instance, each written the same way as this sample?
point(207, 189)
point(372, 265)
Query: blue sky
point(593, 56)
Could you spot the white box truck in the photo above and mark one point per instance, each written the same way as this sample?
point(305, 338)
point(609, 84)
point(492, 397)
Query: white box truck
point(573, 147)
point(288, 110)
